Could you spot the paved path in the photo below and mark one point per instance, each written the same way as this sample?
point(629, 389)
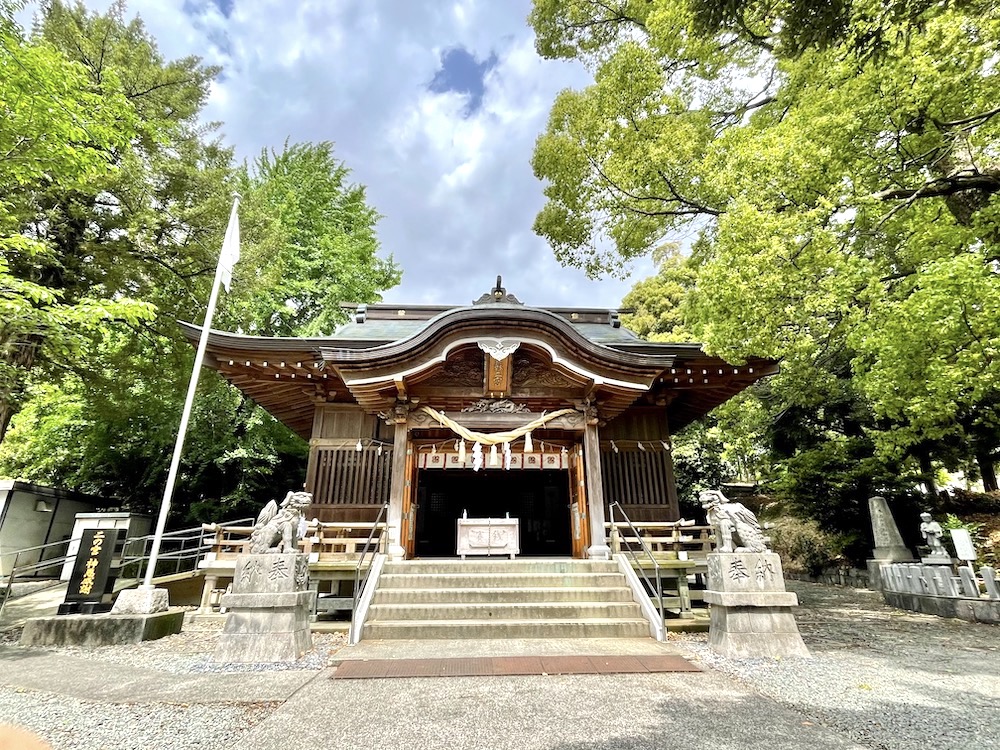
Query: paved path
point(880, 679)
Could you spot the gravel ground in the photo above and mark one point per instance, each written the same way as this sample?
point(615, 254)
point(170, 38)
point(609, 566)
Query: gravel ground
point(84, 725)
point(190, 652)
point(73, 724)
point(883, 678)
point(886, 678)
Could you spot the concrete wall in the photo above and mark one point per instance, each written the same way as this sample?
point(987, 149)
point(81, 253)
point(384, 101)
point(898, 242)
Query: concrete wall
point(32, 515)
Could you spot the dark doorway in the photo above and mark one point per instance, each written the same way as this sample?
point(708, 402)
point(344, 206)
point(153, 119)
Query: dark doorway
point(539, 498)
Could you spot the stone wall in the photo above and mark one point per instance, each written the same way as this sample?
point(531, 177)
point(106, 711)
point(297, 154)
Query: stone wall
point(853, 577)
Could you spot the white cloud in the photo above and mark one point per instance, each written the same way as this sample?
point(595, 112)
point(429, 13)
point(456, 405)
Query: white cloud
point(457, 192)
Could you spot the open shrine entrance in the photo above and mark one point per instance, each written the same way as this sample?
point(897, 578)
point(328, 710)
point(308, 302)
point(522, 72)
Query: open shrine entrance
point(540, 499)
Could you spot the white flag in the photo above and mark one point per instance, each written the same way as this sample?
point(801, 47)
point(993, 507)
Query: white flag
point(231, 246)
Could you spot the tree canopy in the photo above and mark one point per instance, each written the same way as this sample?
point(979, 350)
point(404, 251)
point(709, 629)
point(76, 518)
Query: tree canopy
point(845, 193)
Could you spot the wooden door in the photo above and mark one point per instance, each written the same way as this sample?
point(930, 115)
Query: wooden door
point(578, 503)
point(410, 506)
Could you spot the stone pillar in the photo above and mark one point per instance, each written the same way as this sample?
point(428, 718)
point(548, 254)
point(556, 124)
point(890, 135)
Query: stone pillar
point(599, 549)
point(398, 487)
point(889, 547)
point(206, 594)
point(269, 610)
point(751, 613)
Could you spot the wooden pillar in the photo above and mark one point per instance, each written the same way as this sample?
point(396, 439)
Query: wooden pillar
point(397, 490)
point(599, 549)
point(675, 507)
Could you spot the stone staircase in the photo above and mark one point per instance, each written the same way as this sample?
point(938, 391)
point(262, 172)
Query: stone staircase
point(493, 598)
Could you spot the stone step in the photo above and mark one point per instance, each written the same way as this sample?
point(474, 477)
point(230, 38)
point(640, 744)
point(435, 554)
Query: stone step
point(481, 595)
point(466, 580)
point(494, 565)
point(528, 611)
point(426, 629)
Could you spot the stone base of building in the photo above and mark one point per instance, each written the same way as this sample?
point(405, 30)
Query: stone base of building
point(269, 611)
point(101, 630)
point(751, 613)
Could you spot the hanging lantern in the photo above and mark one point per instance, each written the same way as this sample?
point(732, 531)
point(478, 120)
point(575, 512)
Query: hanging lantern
point(461, 452)
point(528, 447)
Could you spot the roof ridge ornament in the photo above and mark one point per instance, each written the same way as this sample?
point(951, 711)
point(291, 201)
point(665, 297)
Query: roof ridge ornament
point(498, 295)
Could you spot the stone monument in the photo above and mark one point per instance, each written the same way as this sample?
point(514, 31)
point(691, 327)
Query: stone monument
point(932, 532)
point(889, 547)
point(270, 603)
point(751, 613)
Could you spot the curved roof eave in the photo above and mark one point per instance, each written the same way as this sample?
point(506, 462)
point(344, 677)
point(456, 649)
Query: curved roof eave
point(477, 316)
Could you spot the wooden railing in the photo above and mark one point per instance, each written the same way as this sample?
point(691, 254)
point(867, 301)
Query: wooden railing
point(670, 539)
point(323, 542)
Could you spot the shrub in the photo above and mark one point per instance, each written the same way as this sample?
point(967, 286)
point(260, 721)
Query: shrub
point(805, 547)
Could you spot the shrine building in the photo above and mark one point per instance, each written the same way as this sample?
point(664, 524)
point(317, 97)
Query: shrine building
point(491, 410)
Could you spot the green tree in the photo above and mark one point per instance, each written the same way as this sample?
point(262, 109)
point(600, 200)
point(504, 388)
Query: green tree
point(309, 245)
point(299, 216)
point(846, 200)
point(658, 301)
point(57, 132)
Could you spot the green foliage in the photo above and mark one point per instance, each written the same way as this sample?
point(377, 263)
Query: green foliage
point(831, 483)
point(658, 301)
point(698, 466)
point(805, 547)
point(309, 245)
point(846, 204)
point(56, 128)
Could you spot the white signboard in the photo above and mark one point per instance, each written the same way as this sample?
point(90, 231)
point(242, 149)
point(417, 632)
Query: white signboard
point(963, 544)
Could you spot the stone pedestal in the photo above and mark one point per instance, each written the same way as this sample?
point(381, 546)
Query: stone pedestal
point(751, 613)
point(269, 610)
point(101, 630)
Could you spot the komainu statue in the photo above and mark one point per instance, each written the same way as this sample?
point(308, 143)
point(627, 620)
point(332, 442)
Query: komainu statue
point(278, 528)
point(736, 527)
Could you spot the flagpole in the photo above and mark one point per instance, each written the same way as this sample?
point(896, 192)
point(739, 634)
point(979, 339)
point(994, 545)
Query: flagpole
point(199, 358)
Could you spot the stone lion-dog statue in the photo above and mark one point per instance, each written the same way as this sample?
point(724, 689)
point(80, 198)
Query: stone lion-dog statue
point(736, 527)
point(278, 528)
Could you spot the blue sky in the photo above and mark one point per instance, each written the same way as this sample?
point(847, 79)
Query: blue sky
point(435, 105)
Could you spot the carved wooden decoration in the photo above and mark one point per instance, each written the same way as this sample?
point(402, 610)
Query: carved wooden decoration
point(462, 369)
point(531, 373)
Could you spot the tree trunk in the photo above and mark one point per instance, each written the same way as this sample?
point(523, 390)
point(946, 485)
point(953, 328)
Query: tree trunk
point(985, 460)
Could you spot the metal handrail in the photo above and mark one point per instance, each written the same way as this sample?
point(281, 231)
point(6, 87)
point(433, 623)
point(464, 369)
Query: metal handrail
point(616, 542)
point(41, 564)
point(180, 555)
point(360, 583)
point(198, 534)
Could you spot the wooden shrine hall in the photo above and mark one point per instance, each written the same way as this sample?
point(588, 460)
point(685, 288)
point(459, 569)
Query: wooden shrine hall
point(494, 409)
